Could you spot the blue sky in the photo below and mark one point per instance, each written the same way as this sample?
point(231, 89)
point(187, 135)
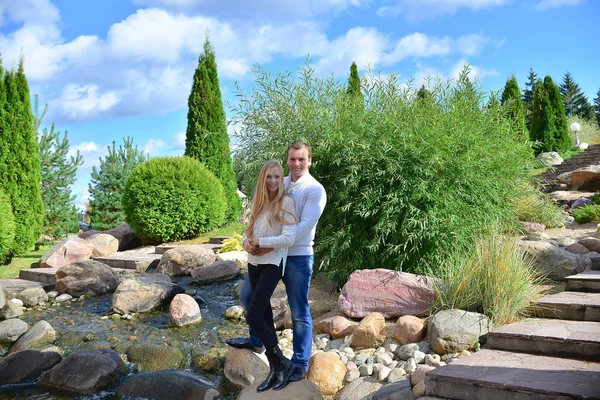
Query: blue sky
point(115, 68)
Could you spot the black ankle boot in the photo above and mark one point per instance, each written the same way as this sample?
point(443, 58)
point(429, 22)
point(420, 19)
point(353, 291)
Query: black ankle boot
point(270, 381)
point(283, 369)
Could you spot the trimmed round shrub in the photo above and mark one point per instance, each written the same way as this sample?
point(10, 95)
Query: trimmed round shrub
point(173, 198)
point(7, 228)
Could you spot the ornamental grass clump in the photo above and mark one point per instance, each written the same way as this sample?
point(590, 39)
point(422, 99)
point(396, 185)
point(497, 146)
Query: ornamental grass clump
point(497, 279)
point(538, 207)
point(173, 198)
point(411, 179)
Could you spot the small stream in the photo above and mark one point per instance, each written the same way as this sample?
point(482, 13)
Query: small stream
point(90, 324)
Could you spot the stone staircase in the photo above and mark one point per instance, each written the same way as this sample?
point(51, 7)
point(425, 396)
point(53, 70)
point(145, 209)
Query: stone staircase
point(121, 262)
point(589, 157)
point(556, 356)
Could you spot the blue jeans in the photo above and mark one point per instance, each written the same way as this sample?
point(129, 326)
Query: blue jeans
point(298, 271)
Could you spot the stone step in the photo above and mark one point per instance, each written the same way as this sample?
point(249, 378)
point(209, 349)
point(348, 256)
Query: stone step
point(211, 246)
point(139, 262)
point(575, 306)
point(588, 281)
point(502, 375)
point(13, 286)
point(549, 337)
point(218, 239)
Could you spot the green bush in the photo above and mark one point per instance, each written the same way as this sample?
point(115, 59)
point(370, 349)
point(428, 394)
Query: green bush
point(586, 214)
point(538, 207)
point(232, 244)
point(7, 229)
point(173, 198)
point(596, 198)
point(410, 181)
point(497, 279)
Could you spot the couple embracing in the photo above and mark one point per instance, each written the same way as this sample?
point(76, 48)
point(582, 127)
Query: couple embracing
point(279, 239)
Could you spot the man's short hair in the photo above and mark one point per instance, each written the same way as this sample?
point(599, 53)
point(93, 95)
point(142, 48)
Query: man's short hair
point(298, 145)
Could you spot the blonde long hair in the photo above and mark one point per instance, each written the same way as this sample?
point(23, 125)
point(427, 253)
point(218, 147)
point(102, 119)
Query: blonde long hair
point(262, 203)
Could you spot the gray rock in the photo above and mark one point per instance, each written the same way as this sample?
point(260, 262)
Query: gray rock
point(2, 297)
point(301, 390)
point(410, 366)
point(577, 248)
point(565, 241)
point(234, 312)
point(406, 351)
point(365, 369)
point(554, 262)
point(216, 272)
point(550, 158)
point(359, 389)
point(581, 202)
point(400, 390)
point(63, 298)
point(103, 369)
point(360, 359)
point(38, 335)
point(11, 330)
point(26, 365)
point(244, 367)
point(181, 260)
point(144, 293)
point(11, 310)
point(126, 236)
point(32, 296)
point(419, 356)
point(167, 385)
point(592, 244)
point(396, 375)
point(455, 330)
point(86, 278)
point(384, 359)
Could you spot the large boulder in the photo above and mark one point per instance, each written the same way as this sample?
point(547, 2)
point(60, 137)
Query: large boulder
point(336, 326)
point(400, 390)
point(582, 179)
point(86, 371)
point(126, 236)
point(167, 385)
point(181, 260)
point(239, 257)
point(104, 244)
point(144, 293)
point(11, 330)
point(216, 272)
point(184, 310)
point(390, 293)
point(26, 365)
point(66, 252)
point(327, 371)
point(11, 310)
point(37, 336)
point(554, 262)
point(89, 278)
point(590, 243)
point(2, 297)
point(370, 332)
point(451, 331)
point(154, 357)
point(301, 390)
point(244, 367)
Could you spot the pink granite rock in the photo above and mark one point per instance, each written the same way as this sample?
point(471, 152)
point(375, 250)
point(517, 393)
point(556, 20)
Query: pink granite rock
point(529, 227)
point(184, 310)
point(336, 326)
point(68, 251)
point(370, 333)
point(409, 329)
point(390, 293)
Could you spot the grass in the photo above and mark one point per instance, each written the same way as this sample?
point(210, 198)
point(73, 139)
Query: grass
point(497, 280)
point(225, 230)
point(28, 260)
point(538, 207)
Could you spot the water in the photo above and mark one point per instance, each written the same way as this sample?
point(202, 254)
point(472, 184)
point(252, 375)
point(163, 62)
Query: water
point(81, 325)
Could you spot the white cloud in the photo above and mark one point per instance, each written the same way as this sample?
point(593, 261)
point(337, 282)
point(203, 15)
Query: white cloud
point(29, 11)
point(179, 143)
point(90, 154)
point(548, 4)
point(418, 10)
point(475, 72)
point(153, 147)
point(79, 102)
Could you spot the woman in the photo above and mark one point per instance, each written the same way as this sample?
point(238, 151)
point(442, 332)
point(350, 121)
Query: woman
point(272, 224)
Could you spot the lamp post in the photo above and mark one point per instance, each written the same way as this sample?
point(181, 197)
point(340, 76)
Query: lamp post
point(575, 128)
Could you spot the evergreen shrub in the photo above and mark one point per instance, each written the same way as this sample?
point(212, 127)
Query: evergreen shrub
point(173, 198)
point(410, 181)
point(585, 214)
point(7, 228)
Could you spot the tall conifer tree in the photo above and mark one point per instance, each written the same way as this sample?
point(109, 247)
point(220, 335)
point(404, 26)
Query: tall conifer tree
point(560, 130)
point(573, 99)
point(528, 97)
point(597, 107)
point(512, 95)
point(206, 136)
point(19, 162)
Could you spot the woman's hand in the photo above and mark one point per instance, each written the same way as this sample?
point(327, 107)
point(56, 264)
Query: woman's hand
point(254, 242)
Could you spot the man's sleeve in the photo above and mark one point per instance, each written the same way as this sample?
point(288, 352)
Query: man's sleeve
point(311, 212)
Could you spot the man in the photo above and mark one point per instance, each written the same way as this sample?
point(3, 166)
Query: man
point(310, 198)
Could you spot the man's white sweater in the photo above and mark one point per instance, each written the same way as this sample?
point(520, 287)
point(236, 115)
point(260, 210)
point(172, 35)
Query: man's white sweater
point(310, 198)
